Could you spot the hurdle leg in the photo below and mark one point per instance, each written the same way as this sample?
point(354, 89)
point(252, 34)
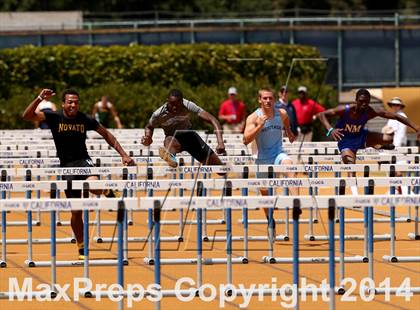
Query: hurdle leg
point(125, 237)
point(270, 233)
point(181, 211)
point(286, 212)
point(3, 263)
point(286, 226)
point(53, 254)
point(245, 175)
point(205, 236)
point(130, 220)
point(311, 215)
point(149, 236)
point(316, 213)
point(331, 252)
point(156, 219)
point(342, 245)
point(30, 261)
point(199, 248)
point(28, 195)
point(416, 223)
point(229, 245)
point(120, 259)
point(86, 248)
point(296, 214)
point(204, 193)
point(38, 196)
point(370, 241)
point(229, 277)
point(98, 227)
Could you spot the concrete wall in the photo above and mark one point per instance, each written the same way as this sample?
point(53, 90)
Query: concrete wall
point(40, 20)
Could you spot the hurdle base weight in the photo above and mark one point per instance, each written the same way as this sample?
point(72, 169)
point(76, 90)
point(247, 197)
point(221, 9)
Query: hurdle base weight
point(413, 236)
point(313, 260)
point(76, 263)
point(3, 264)
point(398, 259)
point(29, 263)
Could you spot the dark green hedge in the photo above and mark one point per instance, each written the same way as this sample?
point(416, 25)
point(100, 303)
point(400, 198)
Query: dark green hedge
point(138, 78)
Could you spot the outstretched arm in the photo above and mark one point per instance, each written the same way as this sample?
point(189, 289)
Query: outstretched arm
point(112, 141)
point(206, 116)
point(398, 117)
point(30, 113)
point(146, 140)
point(323, 118)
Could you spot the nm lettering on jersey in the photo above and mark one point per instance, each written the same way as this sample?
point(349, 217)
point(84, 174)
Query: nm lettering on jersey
point(353, 128)
point(62, 127)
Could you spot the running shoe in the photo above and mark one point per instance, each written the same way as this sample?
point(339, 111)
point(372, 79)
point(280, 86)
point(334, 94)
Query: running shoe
point(168, 157)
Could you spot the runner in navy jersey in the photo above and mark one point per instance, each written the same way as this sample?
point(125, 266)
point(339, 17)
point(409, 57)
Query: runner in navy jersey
point(350, 131)
point(69, 127)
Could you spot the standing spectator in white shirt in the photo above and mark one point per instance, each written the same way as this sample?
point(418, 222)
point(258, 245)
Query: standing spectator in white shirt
point(395, 127)
point(399, 130)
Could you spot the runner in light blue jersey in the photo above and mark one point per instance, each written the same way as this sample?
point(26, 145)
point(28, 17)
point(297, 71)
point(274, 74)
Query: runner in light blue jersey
point(265, 126)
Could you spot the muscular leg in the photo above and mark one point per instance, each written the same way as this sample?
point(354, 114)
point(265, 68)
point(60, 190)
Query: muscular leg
point(376, 139)
point(264, 192)
point(294, 191)
point(212, 160)
point(349, 157)
point(77, 225)
point(172, 145)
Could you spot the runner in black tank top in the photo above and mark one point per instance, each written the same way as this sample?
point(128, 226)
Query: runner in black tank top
point(69, 128)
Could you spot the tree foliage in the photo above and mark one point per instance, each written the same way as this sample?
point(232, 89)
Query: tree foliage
point(206, 6)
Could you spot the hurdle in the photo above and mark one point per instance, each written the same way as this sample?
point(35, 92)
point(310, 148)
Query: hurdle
point(227, 201)
point(333, 290)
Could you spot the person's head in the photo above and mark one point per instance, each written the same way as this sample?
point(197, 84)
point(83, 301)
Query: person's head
point(104, 99)
point(232, 92)
point(362, 99)
point(70, 102)
point(396, 104)
point(302, 92)
point(266, 98)
point(175, 98)
point(283, 93)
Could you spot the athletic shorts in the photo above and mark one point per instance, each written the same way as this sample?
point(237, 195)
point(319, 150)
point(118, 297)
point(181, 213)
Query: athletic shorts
point(192, 143)
point(272, 161)
point(77, 163)
point(354, 143)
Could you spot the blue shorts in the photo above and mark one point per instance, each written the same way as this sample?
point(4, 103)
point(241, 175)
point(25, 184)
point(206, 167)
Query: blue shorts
point(272, 161)
point(353, 143)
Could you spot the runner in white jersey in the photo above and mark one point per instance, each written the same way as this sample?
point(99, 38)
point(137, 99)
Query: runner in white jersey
point(265, 126)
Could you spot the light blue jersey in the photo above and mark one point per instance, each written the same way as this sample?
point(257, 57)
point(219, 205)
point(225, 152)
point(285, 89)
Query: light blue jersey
point(270, 140)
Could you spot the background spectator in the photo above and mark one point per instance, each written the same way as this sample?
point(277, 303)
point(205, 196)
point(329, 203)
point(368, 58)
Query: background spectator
point(306, 111)
point(283, 103)
point(232, 113)
point(395, 127)
point(106, 114)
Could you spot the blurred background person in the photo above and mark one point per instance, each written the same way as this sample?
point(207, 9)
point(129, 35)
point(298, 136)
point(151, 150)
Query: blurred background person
point(306, 111)
point(284, 103)
point(232, 113)
point(399, 130)
point(106, 114)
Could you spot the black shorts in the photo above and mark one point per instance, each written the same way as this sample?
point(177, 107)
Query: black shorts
point(192, 143)
point(77, 163)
